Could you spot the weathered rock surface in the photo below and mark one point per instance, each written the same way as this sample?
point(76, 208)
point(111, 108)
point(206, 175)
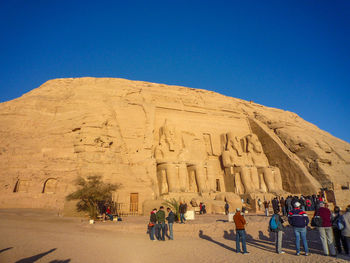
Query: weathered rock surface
point(159, 142)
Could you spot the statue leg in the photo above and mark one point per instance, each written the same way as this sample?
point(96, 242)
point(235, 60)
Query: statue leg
point(172, 177)
point(246, 179)
point(269, 179)
point(200, 178)
point(183, 178)
point(162, 181)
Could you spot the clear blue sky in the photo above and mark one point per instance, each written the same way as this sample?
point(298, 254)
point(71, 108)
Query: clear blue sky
point(293, 55)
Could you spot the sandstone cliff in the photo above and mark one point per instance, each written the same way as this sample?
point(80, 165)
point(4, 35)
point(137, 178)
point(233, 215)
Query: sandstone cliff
point(112, 127)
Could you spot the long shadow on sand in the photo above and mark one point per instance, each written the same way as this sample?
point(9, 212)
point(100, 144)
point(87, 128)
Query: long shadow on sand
point(3, 250)
point(267, 243)
point(206, 237)
point(36, 257)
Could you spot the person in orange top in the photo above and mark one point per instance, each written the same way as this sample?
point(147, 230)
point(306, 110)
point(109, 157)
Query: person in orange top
point(240, 231)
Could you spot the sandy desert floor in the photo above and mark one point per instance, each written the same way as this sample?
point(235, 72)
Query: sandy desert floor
point(29, 235)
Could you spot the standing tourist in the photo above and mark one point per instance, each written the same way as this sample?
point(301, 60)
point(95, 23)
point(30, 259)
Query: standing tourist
point(259, 204)
point(266, 205)
point(275, 204)
point(339, 240)
point(240, 231)
point(326, 232)
point(299, 220)
point(161, 223)
point(152, 224)
point(276, 225)
point(289, 204)
point(182, 211)
point(345, 219)
point(227, 207)
point(283, 206)
point(171, 219)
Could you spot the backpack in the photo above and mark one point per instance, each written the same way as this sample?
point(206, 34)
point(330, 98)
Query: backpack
point(316, 221)
point(341, 223)
point(273, 224)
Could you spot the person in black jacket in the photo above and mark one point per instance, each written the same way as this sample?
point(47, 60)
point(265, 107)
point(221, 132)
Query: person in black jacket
point(278, 231)
point(171, 219)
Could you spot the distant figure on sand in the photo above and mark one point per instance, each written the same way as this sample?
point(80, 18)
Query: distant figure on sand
point(299, 220)
point(266, 206)
point(240, 231)
point(227, 207)
point(182, 211)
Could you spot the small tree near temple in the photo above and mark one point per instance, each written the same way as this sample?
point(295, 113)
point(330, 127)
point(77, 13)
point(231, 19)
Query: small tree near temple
point(90, 192)
point(174, 205)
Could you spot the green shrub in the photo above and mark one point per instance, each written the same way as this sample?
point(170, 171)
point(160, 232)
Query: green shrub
point(90, 192)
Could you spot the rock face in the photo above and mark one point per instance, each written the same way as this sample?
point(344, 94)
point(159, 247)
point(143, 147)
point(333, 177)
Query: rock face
point(160, 142)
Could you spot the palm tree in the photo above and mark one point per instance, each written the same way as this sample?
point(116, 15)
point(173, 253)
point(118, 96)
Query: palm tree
point(174, 205)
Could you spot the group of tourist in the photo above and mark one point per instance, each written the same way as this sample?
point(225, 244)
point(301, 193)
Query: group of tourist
point(307, 203)
point(333, 228)
point(157, 227)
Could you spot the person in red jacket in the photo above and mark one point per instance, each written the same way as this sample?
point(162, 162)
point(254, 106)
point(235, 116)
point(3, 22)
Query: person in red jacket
point(326, 232)
point(240, 231)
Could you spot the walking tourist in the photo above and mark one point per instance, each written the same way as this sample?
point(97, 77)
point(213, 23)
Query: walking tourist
point(299, 220)
point(161, 223)
point(326, 231)
point(182, 211)
point(171, 219)
point(240, 231)
point(276, 226)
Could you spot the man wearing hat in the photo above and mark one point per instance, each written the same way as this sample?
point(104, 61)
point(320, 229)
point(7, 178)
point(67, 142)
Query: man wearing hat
point(240, 231)
point(299, 220)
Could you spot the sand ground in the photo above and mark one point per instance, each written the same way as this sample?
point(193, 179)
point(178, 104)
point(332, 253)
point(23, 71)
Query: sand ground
point(29, 235)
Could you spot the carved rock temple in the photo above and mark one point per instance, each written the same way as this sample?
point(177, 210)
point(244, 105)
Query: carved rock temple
point(161, 142)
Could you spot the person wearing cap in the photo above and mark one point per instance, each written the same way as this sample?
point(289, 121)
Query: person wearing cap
point(240, 231)
point(326, 232)
point(299, 220)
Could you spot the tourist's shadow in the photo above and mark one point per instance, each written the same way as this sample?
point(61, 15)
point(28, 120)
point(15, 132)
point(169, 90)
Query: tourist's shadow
point(229, 235)
point(206, 237)
point(271, 236)
point(35, 257)
point(3, 250)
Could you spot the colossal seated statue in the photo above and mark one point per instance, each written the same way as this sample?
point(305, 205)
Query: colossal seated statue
point(247, 168)
point(255, 151)
point(181, 162)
